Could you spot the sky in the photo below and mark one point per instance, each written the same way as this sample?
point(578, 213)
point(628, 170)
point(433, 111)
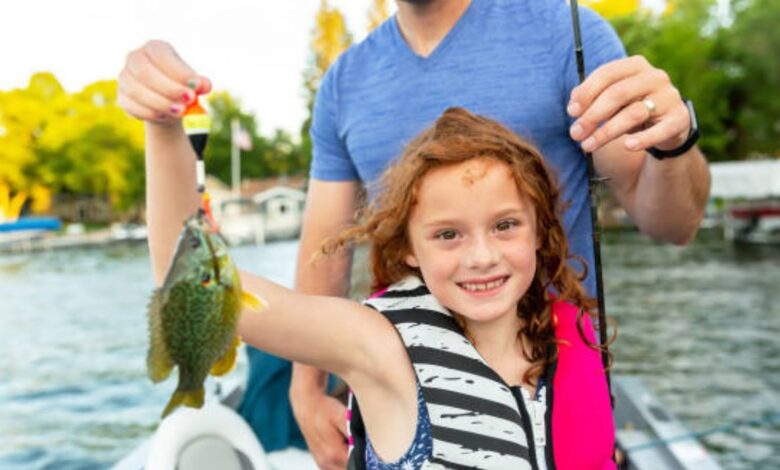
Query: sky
point(255, 49)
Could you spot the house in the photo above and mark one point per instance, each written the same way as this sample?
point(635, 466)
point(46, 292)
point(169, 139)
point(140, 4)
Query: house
point(267, 209)
point(282, 211)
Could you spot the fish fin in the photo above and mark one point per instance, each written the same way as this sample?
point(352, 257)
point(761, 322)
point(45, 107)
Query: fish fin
point(251, 302)
point(158, 362)
point(228, 360)
point(192, 398)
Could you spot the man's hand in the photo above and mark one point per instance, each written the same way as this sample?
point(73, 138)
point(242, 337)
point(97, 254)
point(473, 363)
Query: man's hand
point(322, 420)
point(629, 96)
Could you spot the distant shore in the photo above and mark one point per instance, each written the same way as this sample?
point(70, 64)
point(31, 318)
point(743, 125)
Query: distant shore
point(44, 241)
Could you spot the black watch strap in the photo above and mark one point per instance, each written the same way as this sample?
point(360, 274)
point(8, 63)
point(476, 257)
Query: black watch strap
point(693, 137)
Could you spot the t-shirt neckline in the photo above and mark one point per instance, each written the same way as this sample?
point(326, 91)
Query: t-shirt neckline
point(406, 51)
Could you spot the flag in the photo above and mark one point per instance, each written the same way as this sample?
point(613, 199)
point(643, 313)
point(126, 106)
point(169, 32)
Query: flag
point(242, 139)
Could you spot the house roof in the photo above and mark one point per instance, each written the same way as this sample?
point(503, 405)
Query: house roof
point(250, 188)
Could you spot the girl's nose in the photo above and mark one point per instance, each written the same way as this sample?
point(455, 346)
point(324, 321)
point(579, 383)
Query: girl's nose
point(481, 254)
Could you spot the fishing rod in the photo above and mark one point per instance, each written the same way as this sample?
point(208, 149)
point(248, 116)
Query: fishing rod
point(593, 181)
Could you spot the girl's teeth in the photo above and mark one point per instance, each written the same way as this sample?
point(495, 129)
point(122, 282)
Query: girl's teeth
point(485, 286)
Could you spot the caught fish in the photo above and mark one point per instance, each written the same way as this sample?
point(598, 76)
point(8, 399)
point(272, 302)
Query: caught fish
point(193, 317)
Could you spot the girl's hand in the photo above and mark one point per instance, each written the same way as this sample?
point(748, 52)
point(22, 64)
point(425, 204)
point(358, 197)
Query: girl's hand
point(156, 85)
point(628, 96)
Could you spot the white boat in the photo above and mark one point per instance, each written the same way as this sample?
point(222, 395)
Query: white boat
point(213, 437)
point(648, 436)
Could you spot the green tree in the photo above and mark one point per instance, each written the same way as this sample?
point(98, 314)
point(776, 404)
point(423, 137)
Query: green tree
point(330, 38)
point(751, 46)
point(277, 155)
point(224, 108)
point(80, 143)
point(684, 43)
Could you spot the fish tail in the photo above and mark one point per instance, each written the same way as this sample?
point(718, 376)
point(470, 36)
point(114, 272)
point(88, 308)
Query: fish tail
point(191, 398)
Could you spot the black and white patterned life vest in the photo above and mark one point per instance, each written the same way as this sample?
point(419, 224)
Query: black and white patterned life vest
point(476, 419)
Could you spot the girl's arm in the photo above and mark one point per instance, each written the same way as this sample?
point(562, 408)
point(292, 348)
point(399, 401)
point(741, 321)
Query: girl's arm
point(335, 334)
point(349, 339)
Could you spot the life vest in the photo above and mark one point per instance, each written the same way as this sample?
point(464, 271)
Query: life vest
point(477, 420)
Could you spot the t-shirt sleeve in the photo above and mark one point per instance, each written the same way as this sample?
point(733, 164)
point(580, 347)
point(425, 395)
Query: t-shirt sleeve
point(600, 43)
point(330, 157)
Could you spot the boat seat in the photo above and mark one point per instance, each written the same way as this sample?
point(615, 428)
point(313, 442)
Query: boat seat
point(210, 452)
point(214, 436)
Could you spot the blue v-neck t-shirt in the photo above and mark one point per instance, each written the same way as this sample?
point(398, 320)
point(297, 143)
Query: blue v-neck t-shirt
point(510, 60)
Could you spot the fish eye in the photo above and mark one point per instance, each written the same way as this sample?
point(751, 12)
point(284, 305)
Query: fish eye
point(205, 278)
point(195, 242)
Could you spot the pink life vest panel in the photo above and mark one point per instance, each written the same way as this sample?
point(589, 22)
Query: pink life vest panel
point(583, 429)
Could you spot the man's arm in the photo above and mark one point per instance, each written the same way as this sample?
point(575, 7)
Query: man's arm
point(330, 207)
point(666, 199)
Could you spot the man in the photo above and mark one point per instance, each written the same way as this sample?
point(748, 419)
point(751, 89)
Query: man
point(512, 60)
point(490, 57)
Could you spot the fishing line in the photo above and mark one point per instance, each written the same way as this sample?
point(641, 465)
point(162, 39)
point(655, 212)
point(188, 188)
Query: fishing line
point(197, 124)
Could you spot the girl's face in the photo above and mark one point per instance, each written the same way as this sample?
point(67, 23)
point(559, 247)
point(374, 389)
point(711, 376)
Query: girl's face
point(473, 237)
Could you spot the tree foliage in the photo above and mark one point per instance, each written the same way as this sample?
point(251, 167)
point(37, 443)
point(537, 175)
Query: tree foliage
point(330, 37)
point(269, 156)
point(377, 13)
point(78, 143)
point(613, 8)
point(729, 71)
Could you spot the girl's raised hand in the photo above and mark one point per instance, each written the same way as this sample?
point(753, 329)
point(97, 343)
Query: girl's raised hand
point(156, 85)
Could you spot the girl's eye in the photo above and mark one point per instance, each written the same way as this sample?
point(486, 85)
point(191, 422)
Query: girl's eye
point(446, 235)
point(504, 225)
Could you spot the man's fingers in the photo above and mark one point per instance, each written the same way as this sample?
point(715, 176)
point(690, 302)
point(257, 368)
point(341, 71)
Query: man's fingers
point(627, 119)
point(583, 95)
point(658, 133)
point(338, 418)
point(325, 432)
point(612, 101)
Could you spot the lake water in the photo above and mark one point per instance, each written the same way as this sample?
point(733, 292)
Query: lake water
point(700, 325)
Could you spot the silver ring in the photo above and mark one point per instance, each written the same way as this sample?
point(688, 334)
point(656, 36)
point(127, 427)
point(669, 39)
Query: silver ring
point(650, 105)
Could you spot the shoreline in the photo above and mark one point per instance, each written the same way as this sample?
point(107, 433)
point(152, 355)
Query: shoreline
point(45, 241)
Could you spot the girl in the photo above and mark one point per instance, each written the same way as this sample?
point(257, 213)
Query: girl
point(474, 353)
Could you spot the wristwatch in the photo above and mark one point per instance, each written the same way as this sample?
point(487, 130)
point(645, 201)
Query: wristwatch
point(693, 137)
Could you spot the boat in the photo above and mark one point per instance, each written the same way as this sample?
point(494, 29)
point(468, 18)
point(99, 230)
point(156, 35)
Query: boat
point(211, 437)
point(755, 222)
point(649, 437)
point(25, 230)
point(749, 194)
